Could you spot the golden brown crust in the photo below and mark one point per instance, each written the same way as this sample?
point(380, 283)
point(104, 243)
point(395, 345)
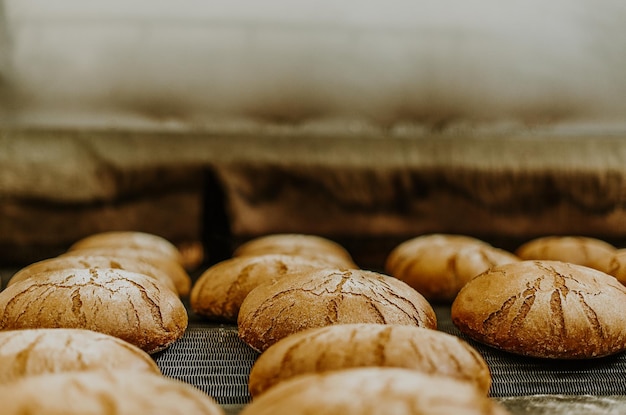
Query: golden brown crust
point(104, 393)
point(173, 269)
point(220, 290)
point(31, 352)
point(439, 265)
point(328, 296)
point(124, 304)
point(547, 309)
point(133, 240)
point(373, 391)
point(311, 246)
point(574, 249)
point(344, 346)
point(93, 261)
point(614, 264)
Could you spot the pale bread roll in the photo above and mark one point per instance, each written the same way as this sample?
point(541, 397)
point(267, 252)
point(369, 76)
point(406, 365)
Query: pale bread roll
point(579, 250)
point(614, 264)
point(343, 346)
point(102, 392)
point(329, 296)
point(220, 290)
point(124, 304)
point(373, 391)
point(439, 265)
point(133, 240)
point(178, 275)
point(311, 246)
point(548, 309)
point(31, 352)
point(93, 261)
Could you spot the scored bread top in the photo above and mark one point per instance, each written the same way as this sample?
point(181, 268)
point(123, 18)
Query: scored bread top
point(439, 265)
point(547, 309)
point(121, 303)
point(343, 346)
point(93, 261)
point(31, 352)
point(99, 392)
point(373, 390)
point(579, 250)
point(220, 290)
point(328, 296)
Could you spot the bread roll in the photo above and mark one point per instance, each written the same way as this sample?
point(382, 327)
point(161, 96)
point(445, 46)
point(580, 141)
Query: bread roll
point(121, 303)
point(328, 296)
point(546, 309)
point(343, 346)
point(614, 264)
point(93, 261)
point(220, 290)
point(373, 391)
point(104, 393)
point(439, 265)
point(38, 351)
point(574, 249)
point(311, 246)
point(130, 239)
point(180, 277)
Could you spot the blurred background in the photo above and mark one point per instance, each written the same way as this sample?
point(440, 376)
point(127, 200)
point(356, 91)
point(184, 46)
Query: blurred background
point(368, 122)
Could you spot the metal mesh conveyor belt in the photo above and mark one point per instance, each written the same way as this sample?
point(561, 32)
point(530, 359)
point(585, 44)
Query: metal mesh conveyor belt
point(211, 357)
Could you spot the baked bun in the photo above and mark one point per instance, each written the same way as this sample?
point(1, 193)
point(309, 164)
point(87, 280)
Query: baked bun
point(578, 250)
point(439, 265)
point(178, 275)
point(614, 264)
point(328, 296)
point(32, 352)
point(343, 346)
point(104, 393)
point(546, 309)
point(93, 261)
point(121, 303)
point(373, 391)
point(130, 239)
point(220, 290)
point(311, 246)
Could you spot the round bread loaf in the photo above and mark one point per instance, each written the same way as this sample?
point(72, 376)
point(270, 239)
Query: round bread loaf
point(373, 391)
point(311, 246)
point(130, 239)
point(439, 265)
point(121, 303)
point(328, 296)
point(574, 249)
point(102, 392)
point(614, 264)
point(548, 309)
point(180, 277)
point(343, 346)
point(93, 261)
point(220, 290)
point(32, 352)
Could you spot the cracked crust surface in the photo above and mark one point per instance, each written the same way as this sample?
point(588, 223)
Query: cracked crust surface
point(93, 261)
point(548, 309)
point(124, 304)
point(373, 391)
point(329, 296)
point(439, 265)
point(344, 346)
point(104, 393)
point(311, 246)
point(31, 352)
point(578, 250)
point(220, 290)
point(173, 269)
